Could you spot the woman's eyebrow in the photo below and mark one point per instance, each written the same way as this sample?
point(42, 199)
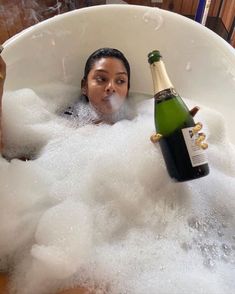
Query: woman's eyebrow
point(105, 71)
point(121, 73)
point(101, 70)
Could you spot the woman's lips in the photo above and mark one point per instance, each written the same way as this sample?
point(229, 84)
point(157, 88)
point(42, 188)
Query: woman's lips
point(107, 98)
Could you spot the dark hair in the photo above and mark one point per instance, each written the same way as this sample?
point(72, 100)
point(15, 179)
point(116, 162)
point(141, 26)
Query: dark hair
point(106, 52)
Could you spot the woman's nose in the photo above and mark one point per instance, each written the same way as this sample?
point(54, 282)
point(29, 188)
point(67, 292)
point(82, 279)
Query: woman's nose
point(110, 88)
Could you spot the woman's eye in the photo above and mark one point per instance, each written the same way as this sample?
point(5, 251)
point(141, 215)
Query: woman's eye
point(100, 79)
point(121, 81)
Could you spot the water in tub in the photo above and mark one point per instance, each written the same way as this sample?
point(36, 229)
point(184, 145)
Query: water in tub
point(97, 207)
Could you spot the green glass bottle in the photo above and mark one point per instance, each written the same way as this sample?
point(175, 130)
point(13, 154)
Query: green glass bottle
point(185, 159)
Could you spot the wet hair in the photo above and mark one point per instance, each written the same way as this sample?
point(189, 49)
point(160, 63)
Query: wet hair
point(102, 53)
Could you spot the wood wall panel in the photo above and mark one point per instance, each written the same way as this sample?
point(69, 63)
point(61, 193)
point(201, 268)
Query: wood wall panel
point(194, 7)
point(214, 7)
point(172, 5)
point(186, 7)
point(4, 35)
point(228, 13)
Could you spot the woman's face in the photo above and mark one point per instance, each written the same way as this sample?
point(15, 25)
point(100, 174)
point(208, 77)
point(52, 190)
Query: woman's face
point(107, 85)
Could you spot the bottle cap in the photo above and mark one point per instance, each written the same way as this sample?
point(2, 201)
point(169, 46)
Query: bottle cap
point(154, 56)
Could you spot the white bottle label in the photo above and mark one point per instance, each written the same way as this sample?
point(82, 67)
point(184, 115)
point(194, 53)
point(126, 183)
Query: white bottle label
point(196, 154)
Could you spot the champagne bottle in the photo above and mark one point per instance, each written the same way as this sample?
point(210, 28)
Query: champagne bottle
point(185, 159)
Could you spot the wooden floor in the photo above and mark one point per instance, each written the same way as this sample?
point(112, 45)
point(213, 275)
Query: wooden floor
point(16, 15)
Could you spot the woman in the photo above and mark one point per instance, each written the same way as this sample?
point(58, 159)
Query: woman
point(104, 89)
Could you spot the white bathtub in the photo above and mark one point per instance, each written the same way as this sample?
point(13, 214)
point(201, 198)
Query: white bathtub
point(139, 231)
point(201, 65)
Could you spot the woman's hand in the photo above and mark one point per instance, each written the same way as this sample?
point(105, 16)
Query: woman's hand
point(2, 80)
point(198, 126)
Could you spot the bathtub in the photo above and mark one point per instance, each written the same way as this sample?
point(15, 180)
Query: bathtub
point(183, 234)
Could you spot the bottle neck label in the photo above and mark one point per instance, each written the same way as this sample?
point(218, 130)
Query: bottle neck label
point(165, 95)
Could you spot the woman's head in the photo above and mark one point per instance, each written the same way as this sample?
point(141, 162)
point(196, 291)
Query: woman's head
point(106, 80)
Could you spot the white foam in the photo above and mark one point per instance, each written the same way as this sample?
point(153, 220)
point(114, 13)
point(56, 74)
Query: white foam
point(96, 206)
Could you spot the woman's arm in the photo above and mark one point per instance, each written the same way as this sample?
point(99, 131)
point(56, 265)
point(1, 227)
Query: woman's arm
point(2, 80)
